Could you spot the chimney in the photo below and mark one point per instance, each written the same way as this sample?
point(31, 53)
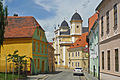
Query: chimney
point(15, 14)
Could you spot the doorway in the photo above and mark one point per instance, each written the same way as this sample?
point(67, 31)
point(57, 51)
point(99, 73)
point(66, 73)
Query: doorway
point(43, 63)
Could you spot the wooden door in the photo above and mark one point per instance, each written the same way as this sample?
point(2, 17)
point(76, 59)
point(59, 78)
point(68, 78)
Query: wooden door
point(43, 63)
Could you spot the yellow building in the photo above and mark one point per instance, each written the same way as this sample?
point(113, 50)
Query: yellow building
point(24, 34)
point(64, 37)
point(78, 53)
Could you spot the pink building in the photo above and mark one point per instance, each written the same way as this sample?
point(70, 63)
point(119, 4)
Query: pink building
point(109, 37)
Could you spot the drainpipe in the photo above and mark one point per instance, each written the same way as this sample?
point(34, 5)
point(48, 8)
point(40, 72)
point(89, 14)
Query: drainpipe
point(98, 50)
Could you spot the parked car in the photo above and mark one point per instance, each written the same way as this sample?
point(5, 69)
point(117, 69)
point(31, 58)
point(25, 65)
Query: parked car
point(78, 71)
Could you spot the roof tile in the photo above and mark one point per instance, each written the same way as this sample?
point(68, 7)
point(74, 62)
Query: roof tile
point(20, 26)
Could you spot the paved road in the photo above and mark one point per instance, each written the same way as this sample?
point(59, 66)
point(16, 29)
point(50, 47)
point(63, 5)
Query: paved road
point(64, 74)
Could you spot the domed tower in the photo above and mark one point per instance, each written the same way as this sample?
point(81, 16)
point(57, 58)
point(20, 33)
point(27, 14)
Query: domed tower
point(64, 28)
point(76, 26)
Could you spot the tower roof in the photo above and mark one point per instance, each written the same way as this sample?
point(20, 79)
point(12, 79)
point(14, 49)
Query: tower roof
point(76, 16)
point(64, 25)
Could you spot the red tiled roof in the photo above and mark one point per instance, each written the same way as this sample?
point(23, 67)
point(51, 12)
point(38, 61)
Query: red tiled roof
point(20, 26)
point(92, 20)
point(51, 43)
point(81, 42)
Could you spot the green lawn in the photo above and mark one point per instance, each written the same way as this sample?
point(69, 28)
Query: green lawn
point(10, 76)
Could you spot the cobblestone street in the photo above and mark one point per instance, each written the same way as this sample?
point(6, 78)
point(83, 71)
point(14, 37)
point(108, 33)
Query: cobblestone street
point(64, 74)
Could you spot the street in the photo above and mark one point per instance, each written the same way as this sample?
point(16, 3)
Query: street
point(64, 74)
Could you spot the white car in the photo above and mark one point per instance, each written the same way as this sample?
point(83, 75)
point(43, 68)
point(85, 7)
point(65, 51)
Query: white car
point(78, 71)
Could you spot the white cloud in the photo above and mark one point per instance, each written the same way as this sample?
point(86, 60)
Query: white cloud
point(65, 9)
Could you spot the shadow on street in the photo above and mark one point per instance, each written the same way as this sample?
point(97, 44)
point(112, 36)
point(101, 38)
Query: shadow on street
point(78, 74)
point(55, 72)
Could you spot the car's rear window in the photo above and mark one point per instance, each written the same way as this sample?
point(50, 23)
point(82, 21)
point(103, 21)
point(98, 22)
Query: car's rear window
point(78, 68)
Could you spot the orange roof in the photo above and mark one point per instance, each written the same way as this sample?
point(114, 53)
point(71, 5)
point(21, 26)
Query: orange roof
point(81, 42)
point(92, 20)
point(51, 43)
point(20, 26)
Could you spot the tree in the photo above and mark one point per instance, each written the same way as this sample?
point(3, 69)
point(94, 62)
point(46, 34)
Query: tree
point(3, 22)
point(19, 61)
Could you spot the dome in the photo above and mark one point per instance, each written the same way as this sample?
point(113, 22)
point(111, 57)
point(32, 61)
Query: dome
point(76, 16)
point(64, 24)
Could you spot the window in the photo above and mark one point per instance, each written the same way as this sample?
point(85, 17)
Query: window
point(108, 59)
point(72, 64)
point(78, 64)
point(78, 54)
point(34, 46)
point(102, 60)
point(37, 31)
point(69, 54)
point(77, 26)
point(116, 60)
point(102, 26)
point(38, 63)
point(45, 49)
point(72, 54)
point(115, 16)
point(38, 46)
point(35, 62)
point(42, 48)
point(107, 16)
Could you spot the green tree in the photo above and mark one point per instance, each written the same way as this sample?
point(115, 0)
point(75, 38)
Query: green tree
point(19, 61)
point(3, 22)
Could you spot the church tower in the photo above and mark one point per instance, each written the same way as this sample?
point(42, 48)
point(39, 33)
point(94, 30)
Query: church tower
point(76, 27)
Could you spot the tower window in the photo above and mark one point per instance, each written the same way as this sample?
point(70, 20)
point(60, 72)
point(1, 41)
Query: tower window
point(77, 26)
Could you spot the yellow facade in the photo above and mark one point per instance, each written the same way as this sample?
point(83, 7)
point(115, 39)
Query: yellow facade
point(64, 37)
point(24, 47)
point(77, 58)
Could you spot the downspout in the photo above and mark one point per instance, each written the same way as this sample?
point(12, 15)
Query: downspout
point(98, 49)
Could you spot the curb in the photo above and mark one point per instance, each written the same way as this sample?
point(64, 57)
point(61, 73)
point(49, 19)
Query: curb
point(37, 77)
point(43, 78)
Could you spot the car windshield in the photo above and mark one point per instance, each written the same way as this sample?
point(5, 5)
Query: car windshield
point(78, 68)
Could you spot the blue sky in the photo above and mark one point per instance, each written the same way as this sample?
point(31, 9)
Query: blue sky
point(50, 13)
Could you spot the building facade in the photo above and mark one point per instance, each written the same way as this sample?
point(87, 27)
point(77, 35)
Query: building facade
point(24, 34)
point(78, 53)
point(93, 47)
point(51, 58)
point(64, 37)
point(109, 37)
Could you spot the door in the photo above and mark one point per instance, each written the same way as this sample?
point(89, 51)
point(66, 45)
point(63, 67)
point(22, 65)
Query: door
point(94, 70)
point(43, 63)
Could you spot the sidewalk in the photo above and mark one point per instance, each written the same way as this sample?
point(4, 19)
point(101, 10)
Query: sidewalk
point(37, 77)
point(108, 77)
point(89, 77)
